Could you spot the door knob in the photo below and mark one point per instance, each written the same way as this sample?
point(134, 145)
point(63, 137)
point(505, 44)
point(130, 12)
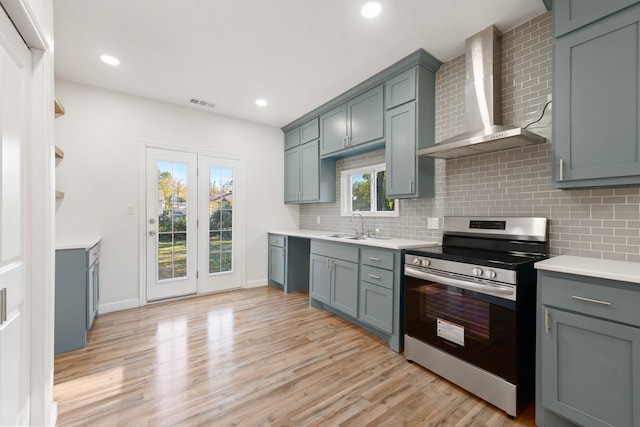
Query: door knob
point(152, 233)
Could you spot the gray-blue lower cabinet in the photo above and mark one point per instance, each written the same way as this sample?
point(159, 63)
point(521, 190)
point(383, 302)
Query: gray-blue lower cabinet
point(288, 262)
point(360, 282)
point(589, 352)
point(77, 296)
point(333, 276)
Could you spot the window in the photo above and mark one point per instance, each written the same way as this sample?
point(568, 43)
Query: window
point(364, 192)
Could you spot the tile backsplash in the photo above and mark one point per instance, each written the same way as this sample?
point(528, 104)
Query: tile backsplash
point(599, 223)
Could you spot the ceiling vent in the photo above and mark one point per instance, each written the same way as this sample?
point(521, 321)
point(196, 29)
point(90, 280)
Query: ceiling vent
point(202, 103)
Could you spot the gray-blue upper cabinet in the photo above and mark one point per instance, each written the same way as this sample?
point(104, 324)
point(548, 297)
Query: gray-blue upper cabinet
point(307, 178)
point(309, 131)
point(409, 127)
point(401, 89)
point(357, 122)
point(292, 138)
point(596, 96)
point(570, 15)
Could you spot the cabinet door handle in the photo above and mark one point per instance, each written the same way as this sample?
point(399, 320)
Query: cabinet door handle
point(373, 258)
point(373, 276)
point(561, 172)
point(546, 321)
point(3, 305)
point(410, 186)
point(594, 301)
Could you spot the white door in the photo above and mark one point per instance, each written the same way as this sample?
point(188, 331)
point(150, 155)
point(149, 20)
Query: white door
point(171, 222)
point(221, 231)
point(15, 80)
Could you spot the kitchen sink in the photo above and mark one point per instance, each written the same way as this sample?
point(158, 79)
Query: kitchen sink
point(356, 237)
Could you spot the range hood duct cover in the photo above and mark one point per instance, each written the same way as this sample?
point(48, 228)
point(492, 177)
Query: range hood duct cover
point(483, 105)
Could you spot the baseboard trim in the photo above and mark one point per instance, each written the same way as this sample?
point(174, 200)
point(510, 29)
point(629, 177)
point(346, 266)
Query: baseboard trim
point(255, 284)
point(117, 306)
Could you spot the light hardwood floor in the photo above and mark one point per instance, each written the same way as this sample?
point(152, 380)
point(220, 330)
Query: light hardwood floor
point(252, 358)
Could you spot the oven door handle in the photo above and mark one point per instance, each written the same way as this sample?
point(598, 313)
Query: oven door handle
point(506, 292)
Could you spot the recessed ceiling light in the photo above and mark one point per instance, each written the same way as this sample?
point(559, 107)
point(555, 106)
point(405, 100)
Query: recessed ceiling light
point(371, 9)
point(261, 102)
point(111, 60)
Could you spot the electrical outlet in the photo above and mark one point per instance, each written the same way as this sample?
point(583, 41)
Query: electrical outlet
point(432, 223)
point(318, 219)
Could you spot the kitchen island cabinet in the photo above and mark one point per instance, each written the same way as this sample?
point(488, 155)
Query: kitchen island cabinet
point(596, 94)
point(588, 352)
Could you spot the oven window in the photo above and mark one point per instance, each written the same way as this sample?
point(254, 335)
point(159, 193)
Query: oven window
point(451, 306)
point(477, 328)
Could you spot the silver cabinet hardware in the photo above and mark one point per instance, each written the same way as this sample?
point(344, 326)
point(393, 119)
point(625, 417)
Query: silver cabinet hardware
point(373, 258)
point(594, 301)
point(561, 172)
point(546, 321)
point(152, 221)
point(3, 305)
point(373, 276)
point(152, 233)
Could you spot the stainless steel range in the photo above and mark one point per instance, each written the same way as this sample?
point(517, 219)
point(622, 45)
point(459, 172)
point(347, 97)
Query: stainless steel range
point(470, 306)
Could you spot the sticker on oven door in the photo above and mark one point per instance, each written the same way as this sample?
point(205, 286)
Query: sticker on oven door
point(450, 331)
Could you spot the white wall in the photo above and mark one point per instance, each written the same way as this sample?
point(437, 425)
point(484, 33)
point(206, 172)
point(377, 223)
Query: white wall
point(102, 134)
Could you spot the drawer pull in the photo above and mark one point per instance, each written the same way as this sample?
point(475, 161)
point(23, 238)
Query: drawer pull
point(594, 301)
point(373, 258)
point(373, 276)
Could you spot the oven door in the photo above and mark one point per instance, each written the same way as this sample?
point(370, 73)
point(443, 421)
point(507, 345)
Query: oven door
point(474, 322)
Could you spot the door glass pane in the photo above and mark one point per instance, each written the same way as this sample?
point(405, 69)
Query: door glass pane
point(172, 220)
point(361, 192)
point(383, 204)
point(220, 219)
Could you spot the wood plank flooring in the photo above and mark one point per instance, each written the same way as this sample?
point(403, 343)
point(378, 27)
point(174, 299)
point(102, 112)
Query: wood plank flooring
point(252, 358)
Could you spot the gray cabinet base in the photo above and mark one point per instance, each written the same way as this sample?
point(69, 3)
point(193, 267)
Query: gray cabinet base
point(394, 340)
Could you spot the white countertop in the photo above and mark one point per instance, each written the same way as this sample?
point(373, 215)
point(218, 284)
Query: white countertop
point(624, 271)
point(77, 244)
point(385, 242)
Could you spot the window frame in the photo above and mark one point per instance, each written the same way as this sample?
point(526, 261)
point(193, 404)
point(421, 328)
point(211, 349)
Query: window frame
point(346, 195)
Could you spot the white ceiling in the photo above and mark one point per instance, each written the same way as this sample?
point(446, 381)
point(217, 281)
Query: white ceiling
point(297, 54)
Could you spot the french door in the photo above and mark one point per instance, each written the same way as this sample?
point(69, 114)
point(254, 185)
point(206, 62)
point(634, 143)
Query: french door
point(194, 224)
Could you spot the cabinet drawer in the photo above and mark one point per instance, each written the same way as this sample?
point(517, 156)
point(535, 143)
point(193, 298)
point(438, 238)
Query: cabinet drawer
point(276, 240)
point(345, 252)
point(377, 275)
point(597, 297)
point(377, 258)
point(309, 131)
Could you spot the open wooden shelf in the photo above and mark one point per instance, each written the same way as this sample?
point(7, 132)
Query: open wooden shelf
point(57, 107)
point(59, 153)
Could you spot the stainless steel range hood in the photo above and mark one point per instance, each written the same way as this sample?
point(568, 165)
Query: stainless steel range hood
point(483, 105)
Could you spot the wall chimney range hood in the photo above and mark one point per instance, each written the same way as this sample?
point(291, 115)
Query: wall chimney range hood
point(483, 105)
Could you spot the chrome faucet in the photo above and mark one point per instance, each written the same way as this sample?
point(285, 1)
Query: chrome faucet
point(361, 232)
